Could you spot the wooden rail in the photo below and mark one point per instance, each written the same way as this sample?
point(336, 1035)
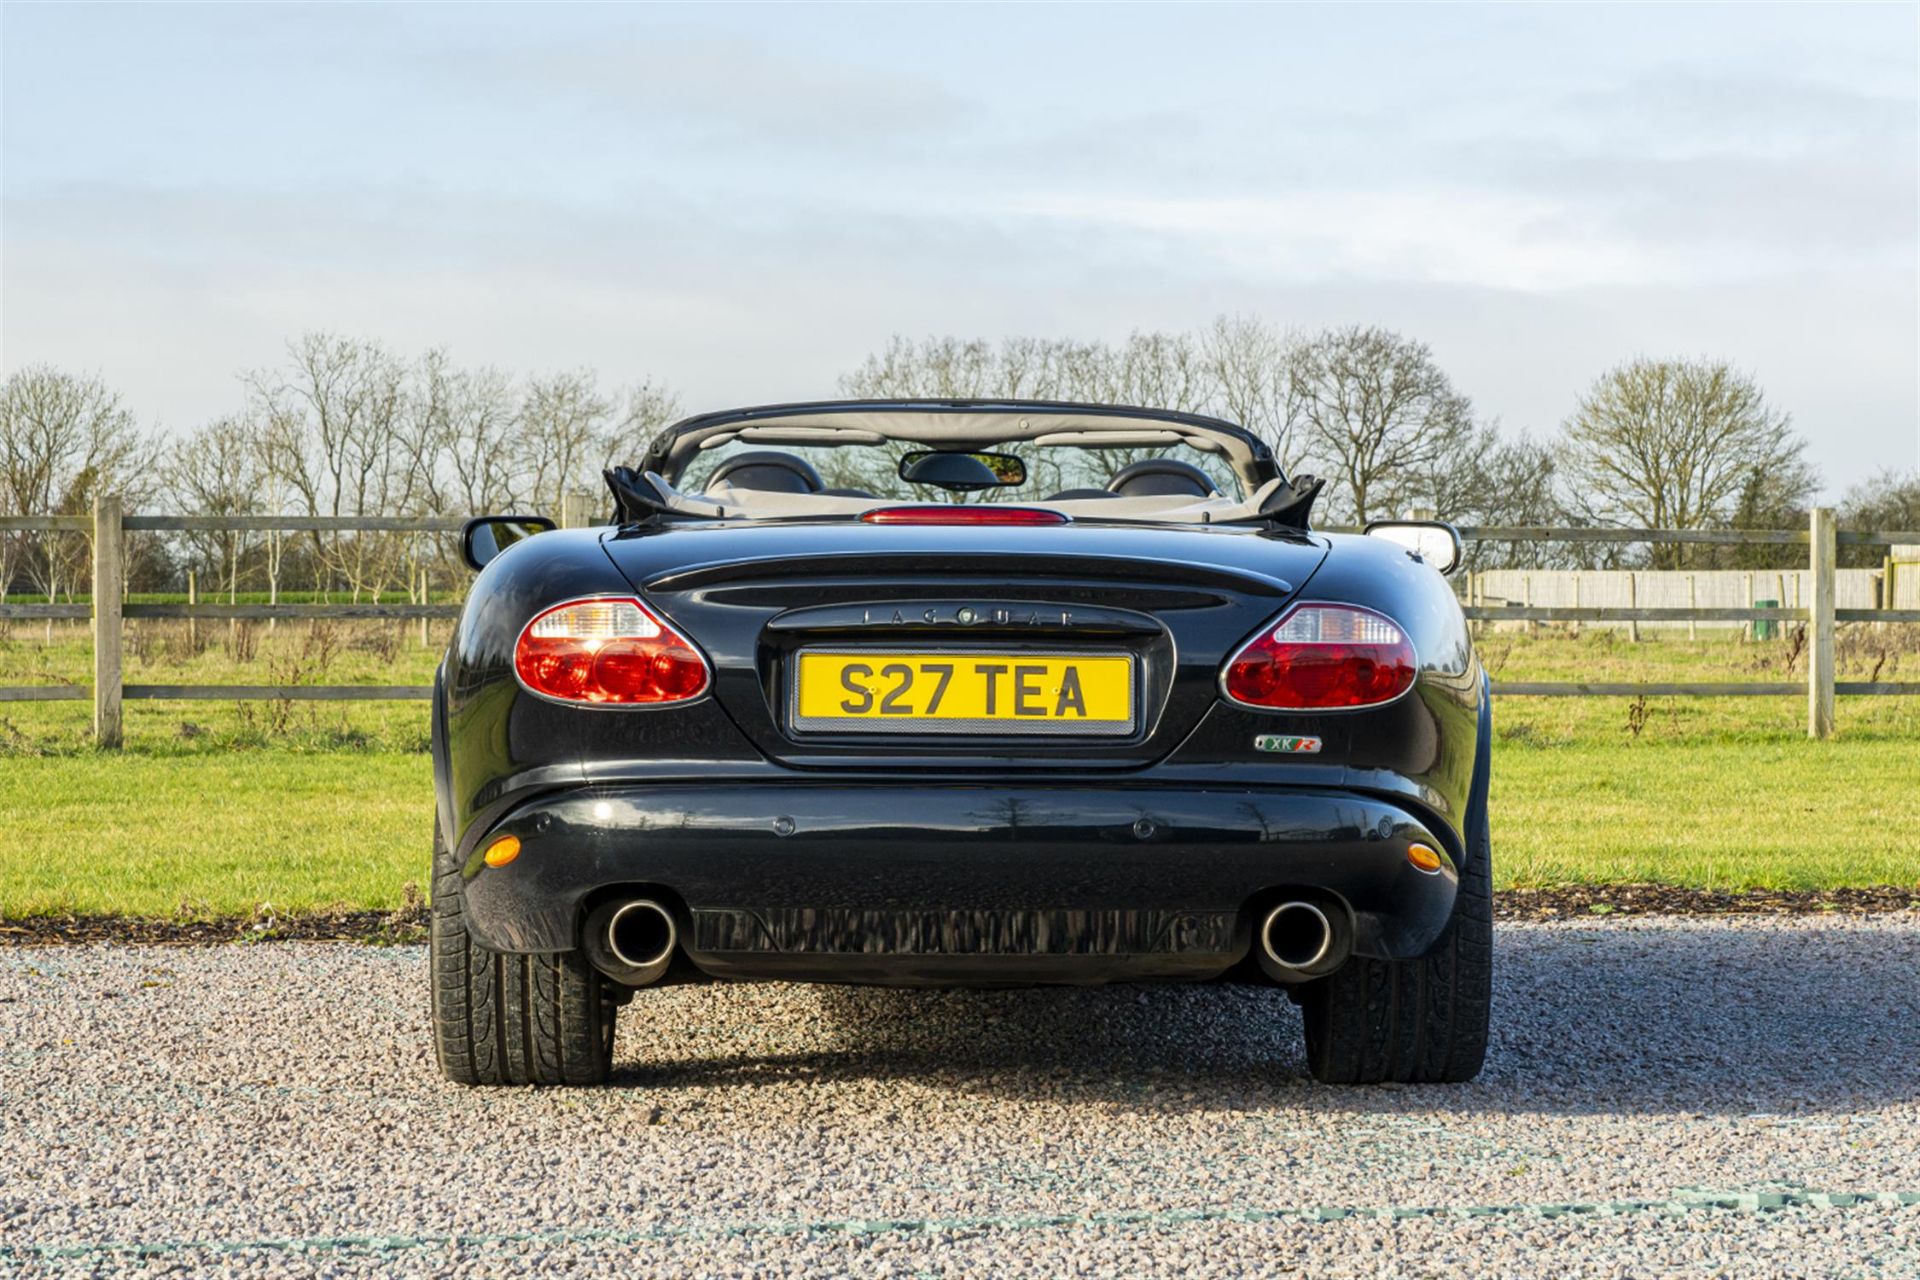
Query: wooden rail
point(1610, 613)
point(295, 524)
point(1579, 688)
point(1822, 540)
point(46, 693)
point(71, 612)
point(1714, 537)
point(107, 610)
point(107, 607)
point(262, 612)
point(278, 692)
point(34, 524)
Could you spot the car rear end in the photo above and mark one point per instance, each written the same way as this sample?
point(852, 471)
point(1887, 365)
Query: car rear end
point(959, 753)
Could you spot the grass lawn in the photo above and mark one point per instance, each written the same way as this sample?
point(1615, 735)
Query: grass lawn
point(217, 809)
point(212, 834)
point(1724, 815)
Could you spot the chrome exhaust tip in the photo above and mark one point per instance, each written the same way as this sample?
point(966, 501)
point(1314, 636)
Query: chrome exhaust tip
point(1299, 941)
point(632, 941)
point(642, 933)
point(1296, 935)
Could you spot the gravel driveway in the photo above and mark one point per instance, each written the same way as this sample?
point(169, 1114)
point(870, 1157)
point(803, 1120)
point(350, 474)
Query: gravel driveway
point(1664, 1097)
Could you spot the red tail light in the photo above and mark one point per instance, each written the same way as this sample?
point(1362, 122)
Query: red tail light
point(941, 514)
point(1323, 657)
point(608, 650)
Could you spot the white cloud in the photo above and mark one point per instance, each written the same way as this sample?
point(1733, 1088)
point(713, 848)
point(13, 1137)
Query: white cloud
point(1418, 234)
point(745, 204)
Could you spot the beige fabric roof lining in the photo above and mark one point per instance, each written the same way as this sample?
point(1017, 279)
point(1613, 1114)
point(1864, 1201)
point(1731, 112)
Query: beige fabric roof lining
point(724, 502)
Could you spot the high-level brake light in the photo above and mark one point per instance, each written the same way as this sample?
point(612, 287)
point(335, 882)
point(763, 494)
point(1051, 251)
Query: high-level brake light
point(986, 513)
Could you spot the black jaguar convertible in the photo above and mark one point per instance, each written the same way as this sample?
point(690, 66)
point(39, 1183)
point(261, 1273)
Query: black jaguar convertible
point(959, 693)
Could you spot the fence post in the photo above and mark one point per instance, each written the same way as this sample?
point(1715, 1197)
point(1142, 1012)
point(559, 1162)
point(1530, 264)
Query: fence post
point(1820, 563)
point(576, 510)
point(109, 581)
point(193, 624)
point(1633, 602)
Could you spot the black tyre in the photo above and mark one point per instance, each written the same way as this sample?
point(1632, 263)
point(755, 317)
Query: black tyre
point(1416, 1021)
point(511, 1019)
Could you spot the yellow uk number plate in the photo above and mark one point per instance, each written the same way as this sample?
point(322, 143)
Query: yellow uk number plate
point(869, 691)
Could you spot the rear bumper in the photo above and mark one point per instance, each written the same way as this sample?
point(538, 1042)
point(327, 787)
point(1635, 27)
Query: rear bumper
point(939, 884)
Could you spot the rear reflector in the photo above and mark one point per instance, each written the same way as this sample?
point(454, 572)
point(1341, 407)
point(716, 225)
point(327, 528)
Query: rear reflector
point(1322, 657)
point(942, 513)
point(608, 650)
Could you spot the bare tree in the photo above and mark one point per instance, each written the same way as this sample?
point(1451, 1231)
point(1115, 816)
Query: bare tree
point(945, 368)
point(570, 431)
point(63, 439)
point(1152, 369)
point(464, 438)
point(1017, 368)
point(218, 470)
point(1041, 368)
point(1885, 503)
point(334, 434)
point(1504, 482)
point(342, 427)
point(939, 368)
point(1161, 370)
point(646, 407)
point(1674, 444)
point(1249, 365)
point(563, 423)
point(1379, 418)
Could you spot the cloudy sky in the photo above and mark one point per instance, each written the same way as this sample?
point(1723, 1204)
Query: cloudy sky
point(743, 201)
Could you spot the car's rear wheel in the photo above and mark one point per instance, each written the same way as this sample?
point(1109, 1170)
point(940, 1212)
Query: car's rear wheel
point(1415, 1021)
point(511, 1019)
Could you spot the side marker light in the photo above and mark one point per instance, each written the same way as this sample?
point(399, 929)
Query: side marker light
point(502, 851)
point(1425, 858)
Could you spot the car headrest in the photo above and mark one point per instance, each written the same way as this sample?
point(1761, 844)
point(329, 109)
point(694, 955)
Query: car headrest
point(1153, 476)
point(769, 471)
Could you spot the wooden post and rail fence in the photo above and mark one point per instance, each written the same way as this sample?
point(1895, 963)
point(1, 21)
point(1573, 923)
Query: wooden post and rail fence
point(107, 609)
point(1822, 538)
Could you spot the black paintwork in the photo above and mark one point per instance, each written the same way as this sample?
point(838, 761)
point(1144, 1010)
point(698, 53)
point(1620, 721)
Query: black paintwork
point(770, 874)
point(950, 857)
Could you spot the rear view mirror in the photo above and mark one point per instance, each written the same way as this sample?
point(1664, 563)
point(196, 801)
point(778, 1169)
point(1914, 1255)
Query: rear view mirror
point(485, 537)
point(1433, 541)
point(962, 472)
